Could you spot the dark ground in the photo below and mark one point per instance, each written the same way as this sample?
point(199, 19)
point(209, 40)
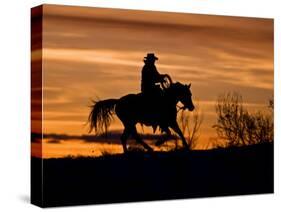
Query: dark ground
point(154, 176)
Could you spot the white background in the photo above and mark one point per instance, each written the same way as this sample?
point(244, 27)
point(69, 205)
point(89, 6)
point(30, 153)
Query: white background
point(15, 103)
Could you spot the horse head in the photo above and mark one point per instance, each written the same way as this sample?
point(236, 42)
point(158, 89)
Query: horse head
point(184, 95)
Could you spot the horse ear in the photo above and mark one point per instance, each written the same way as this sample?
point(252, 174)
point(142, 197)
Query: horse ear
point(189, 85)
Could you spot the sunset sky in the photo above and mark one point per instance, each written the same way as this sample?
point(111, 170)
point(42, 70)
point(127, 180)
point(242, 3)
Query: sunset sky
point(91, 53)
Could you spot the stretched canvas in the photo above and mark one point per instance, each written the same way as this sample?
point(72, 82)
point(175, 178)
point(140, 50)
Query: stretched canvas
point(131, 105)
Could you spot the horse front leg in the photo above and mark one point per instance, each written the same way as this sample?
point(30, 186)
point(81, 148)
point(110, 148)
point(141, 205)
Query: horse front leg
point(162, 140)
point(177, 129)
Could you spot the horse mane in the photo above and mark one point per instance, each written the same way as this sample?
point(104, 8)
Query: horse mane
point(175, 86)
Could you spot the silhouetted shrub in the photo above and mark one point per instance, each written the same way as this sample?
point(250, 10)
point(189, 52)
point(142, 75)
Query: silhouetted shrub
point(237, 126)
point(190, 123)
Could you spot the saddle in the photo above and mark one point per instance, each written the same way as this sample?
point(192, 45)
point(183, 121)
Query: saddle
point(153, 92)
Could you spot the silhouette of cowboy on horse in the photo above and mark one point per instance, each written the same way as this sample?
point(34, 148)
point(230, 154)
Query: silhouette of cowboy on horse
point(153, 107)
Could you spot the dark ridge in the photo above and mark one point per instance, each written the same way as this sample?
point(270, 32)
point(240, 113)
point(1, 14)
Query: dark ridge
point(112, 136)
point(142, 176)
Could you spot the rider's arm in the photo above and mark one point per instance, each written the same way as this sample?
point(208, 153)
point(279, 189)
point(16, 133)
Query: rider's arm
point(157, 76)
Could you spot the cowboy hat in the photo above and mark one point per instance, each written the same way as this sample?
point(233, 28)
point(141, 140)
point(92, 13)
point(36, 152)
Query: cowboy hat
point(151, 56)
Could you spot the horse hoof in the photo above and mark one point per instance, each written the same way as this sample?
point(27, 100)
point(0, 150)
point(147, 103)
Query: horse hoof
point(159, 143)
point(150, 150)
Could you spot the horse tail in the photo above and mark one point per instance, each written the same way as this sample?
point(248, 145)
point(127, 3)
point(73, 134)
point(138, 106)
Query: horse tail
point(101, 115)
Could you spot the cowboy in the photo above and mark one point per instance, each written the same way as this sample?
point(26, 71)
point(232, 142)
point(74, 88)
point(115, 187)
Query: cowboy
point(150, 76)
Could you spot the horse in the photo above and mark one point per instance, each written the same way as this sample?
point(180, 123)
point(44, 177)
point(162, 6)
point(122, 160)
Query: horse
point(150, 110)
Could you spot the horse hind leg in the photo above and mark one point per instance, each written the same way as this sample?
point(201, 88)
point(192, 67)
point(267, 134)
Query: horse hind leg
point(140, 141)
point(125, 135)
